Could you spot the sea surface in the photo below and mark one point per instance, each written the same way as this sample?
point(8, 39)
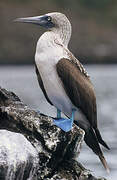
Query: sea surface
point(23, 81)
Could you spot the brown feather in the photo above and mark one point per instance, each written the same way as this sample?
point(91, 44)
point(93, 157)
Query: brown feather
point(103, 160)
point(79, 89)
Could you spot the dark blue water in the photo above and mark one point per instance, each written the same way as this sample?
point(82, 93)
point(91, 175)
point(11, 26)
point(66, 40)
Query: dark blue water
point(22, 80)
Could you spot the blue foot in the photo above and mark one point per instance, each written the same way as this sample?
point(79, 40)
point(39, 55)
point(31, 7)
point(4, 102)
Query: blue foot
point(64, 124)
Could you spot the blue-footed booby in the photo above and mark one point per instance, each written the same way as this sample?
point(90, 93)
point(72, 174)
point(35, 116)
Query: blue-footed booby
point(64, 81)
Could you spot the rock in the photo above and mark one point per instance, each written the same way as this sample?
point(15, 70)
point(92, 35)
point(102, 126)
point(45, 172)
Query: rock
point(51, 153)
point(18, 158)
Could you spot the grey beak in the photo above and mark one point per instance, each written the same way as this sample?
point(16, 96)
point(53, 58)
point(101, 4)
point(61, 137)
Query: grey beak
point(34, 20)
point(39, 20)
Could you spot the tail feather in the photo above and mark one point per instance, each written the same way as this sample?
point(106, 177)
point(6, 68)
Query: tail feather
point(92, 141)
point(100, 139)
point(103, 160)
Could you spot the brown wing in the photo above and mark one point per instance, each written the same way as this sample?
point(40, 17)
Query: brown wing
point(41, 84)
point(79, 89)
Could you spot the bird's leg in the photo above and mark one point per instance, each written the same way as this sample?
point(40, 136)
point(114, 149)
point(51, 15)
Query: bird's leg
point(58, 114)
point(64, 123)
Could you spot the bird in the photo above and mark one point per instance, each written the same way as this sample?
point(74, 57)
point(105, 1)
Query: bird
point(64, 81)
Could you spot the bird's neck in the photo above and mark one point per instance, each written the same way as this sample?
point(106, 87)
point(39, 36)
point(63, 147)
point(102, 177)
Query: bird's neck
point(64, 33)
point(51, 39)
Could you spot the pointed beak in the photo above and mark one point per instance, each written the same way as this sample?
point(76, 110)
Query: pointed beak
point(33, 20)
point(39, 20)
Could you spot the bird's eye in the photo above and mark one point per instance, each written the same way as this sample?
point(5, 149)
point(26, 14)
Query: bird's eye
point(49, 18)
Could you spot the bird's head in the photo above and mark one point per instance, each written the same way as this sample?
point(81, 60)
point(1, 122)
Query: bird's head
point(48, 21)
point(55, 22)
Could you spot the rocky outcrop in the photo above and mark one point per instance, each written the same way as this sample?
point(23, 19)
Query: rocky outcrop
point(32, 148)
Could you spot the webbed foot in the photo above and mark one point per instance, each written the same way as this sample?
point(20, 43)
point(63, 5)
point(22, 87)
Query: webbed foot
point(64, 123)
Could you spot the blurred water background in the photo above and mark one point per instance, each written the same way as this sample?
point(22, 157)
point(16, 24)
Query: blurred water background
point(23, 81)
point(94, 40)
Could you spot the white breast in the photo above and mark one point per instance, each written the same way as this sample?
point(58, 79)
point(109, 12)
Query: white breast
point(48, 53)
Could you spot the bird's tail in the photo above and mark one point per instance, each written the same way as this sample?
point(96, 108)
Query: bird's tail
point(92, 141)
point(103, 160)
point(101, 141)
